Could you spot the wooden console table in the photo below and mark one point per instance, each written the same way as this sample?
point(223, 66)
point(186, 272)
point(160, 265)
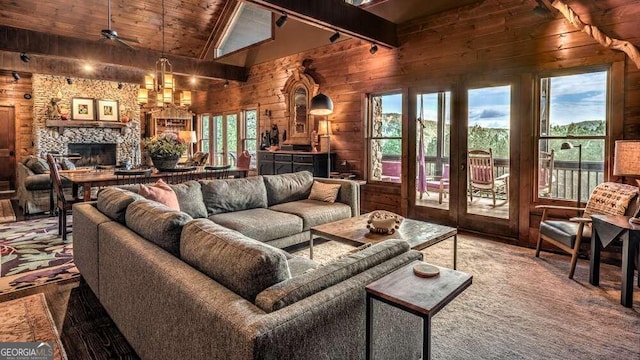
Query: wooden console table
point(422, 297)
point(282, 162)
point(607, 228)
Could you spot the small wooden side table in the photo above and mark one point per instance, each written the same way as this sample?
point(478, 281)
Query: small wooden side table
point(606, 228)
point(423, 297)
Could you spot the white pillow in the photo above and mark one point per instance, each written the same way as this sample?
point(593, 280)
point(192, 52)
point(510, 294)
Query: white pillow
point(324, 192)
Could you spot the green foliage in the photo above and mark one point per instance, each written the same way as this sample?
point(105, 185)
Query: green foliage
point(165, 145)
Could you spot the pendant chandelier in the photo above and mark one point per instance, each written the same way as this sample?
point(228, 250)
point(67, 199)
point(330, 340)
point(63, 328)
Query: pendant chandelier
point(162, 81)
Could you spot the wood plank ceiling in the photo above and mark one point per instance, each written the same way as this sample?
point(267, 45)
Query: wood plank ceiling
point(190, 26)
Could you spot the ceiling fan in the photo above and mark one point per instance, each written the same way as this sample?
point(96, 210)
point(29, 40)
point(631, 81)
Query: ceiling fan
point(110, 34)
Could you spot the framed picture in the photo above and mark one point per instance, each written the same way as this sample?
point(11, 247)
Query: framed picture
point(108, 110)
point(82, 109)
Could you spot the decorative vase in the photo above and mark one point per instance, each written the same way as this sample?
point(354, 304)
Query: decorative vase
point(162, 163)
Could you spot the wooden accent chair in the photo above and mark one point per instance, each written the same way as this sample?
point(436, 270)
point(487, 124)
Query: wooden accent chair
point(62, 203)
point(545, 173)
point(608, 198)
point(199, 159)
point(481, 177)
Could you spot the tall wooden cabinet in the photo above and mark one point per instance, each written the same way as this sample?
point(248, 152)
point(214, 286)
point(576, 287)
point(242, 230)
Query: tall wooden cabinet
point(282, 162)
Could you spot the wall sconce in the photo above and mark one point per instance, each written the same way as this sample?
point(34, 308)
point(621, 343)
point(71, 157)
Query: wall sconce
point(120, 86)
point(69, 81)
point(267, 112)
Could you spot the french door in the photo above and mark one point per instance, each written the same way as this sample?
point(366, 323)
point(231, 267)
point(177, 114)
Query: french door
point(461, 150)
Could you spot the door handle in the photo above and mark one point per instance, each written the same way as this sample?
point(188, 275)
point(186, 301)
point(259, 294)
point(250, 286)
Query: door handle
point(11, 153)
point(463, 166)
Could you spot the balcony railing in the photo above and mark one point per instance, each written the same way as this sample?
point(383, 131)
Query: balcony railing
point(565, 175)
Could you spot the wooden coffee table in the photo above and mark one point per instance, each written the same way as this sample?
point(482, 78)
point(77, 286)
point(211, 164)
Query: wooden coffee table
point(353, 231)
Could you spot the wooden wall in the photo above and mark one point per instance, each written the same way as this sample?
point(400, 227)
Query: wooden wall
point(12, 94)
point(496, 39)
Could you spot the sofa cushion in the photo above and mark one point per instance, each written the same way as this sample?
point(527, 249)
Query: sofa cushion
point(324, 192)
point(288, 187)
point(190, 199)
point(157, 223)
point(160, 192)
point(260, 224)
point(37, 165)
point(243, 265)
point(564, 231)
point(228, 195)
point(297, 288)
point(113, 202)
point(314, 212)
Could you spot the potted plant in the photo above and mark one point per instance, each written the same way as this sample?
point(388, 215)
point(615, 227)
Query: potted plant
point(165, 150)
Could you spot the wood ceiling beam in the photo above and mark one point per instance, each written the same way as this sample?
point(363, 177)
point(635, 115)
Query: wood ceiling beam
point(100, 53)
point(337, 15)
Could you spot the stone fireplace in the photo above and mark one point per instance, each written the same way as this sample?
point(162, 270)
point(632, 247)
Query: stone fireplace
point(92, 154)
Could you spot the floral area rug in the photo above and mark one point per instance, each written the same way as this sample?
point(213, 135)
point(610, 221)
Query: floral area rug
point(33, 254)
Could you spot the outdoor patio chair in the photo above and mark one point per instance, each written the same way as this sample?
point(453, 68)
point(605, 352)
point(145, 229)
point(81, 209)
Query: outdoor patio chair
point(481, 176)
point(545, 173)
point(608, 198)
point(441, 186)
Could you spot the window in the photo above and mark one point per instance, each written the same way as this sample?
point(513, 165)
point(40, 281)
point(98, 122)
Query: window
point(205, 121)
point(572, 131)
point(385, 137)
point(250, 132)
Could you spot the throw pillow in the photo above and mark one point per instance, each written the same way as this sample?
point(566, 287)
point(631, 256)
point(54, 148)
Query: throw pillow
point(324, 192)
point(38, 165)
point(67, 164)
point(160, 192)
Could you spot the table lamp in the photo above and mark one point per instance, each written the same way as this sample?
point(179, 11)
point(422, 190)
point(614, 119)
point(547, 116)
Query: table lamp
point(190, 138)
point(626, 162)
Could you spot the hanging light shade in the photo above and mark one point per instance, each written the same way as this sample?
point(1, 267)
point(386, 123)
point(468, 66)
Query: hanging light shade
point(169, 81)
point(185, 98)
point(148, 82)
point(321, 104)
point(159, 99)
point(143, 96)
point(167, 96)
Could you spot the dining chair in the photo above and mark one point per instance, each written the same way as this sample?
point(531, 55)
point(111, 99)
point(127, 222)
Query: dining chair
point(481, 175)
point(608, 198)
point(63, 204)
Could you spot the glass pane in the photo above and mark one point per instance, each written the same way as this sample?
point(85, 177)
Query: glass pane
point(232, 138)
point(206, 124)
point(389, 155)
point(386, 121)
point(432, 149)
point(251, 24)
point(218, 136)
point(489, 116)
point(573, 105)
point(562, 172)
point(251, 124)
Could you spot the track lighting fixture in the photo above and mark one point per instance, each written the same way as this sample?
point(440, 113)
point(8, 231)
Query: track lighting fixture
point(69, 81)
point(25, 58)
point(120, 86)
point(374, 49)
point(15, 75)
point(226, 84)
point(334, 37)
point(281, 20)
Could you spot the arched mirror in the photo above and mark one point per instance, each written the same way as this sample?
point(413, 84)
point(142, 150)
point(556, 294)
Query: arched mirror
point(298, 91)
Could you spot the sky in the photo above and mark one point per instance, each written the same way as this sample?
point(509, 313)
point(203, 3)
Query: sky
point(574, 98)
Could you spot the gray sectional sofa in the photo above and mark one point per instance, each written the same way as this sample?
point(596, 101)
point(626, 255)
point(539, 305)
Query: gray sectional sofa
point(215, 287)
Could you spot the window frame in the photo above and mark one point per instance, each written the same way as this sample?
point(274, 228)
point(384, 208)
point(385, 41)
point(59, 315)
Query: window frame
point(242, 133)
point(369, 138)
point(610, 119)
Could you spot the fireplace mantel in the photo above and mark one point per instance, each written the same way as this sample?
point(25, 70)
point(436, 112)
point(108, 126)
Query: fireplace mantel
point(61, 124)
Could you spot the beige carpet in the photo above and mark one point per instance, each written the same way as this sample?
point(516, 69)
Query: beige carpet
point(6, 211)
point(28, 319)
point(522, 307)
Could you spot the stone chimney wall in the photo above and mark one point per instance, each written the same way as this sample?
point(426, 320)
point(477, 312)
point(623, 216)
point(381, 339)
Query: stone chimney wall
point(46, 87)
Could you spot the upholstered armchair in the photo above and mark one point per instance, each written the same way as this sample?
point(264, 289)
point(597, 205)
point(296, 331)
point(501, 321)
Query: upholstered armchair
point(608, 198)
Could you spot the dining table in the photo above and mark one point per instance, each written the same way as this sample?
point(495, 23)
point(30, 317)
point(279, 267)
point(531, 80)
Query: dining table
point(113, 177)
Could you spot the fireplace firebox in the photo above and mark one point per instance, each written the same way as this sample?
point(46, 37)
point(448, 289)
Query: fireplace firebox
point(92, 154)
